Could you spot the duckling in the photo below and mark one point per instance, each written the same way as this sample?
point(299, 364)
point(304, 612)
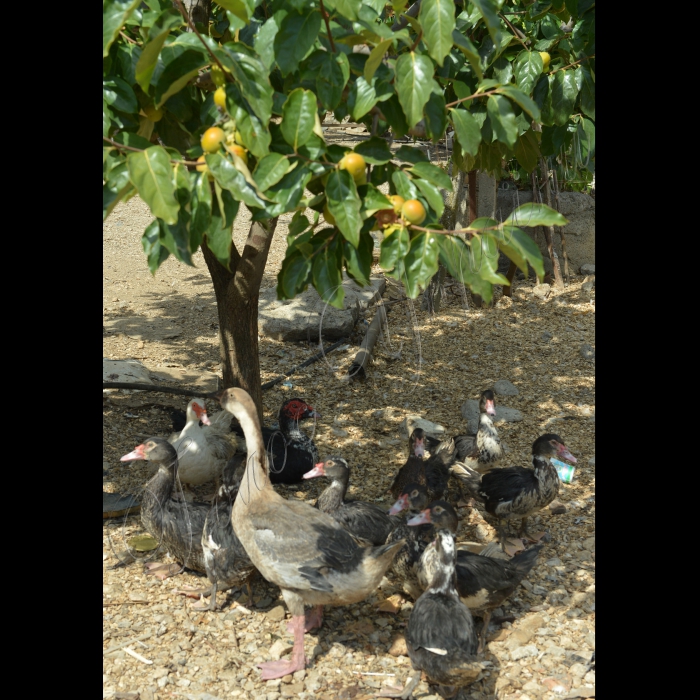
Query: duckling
point(434, 472)
point(517, 492)
point(365, 521)
point(175, 524)
point(483, 583)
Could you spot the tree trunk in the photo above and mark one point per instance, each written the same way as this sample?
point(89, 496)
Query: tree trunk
point(471, 183)
point(237, 292)
point(198, 10)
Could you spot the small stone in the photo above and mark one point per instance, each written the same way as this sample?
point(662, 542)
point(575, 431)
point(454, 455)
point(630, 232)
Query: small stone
point(470, 413)
point(557, 508)
point(591, 461)
point(553, 562)
point(279, 649)
point(398, 646)
point(587, 269)
point(339, 432)
point(413, 421)
point(577, 670)
point(558, 684)
point(505, 388)
point(276, 614)
point(517, 639)
point(299, 675)
point(159, 673)
point(539, 590)
point(587, 352)
point(524, 652)
point(292, 690)
point(541, 291)
point(547, 335)
point(533, 687)
point(587, 287)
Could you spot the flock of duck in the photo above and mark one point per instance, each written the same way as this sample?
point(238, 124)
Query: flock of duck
point(337, 552)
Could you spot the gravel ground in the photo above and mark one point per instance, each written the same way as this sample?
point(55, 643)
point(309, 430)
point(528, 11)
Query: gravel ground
point(427, 366)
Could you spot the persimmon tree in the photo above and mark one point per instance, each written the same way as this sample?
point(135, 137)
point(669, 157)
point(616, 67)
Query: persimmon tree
point(267, 73)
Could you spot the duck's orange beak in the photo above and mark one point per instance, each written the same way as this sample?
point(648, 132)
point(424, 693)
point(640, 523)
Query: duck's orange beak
point(318, 470)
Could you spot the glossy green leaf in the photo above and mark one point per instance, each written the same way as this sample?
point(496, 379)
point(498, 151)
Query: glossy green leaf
point(414, 78)
point(432, 195)
point(484, 258)
point(178, 71)
point(326, 271)
point(375, 59)
point(374, 150)
point(296, 35)
point(393, 113)
point(533, 214)
point(331, 79)
point(294, 275)
point(106, 119)
point(243, 9)
point(270, 170)
point(287, 193)
point(470, 51)
point(467, 130)
point(219, 233)
point(250, 74)
point(118, 94)
point(344, 204)
point(519, 248)
point(358, 261)
point(265, 38)
point(455, 255)
point(564, 92)
point(543, 98)
point(411, 154)
point(502, 118)
point(404, 185)
point(298, 224)
point(231, 179)
point(114, 16)
point(112, 197)
point(586, 135)
point(587, 91)
point(134, 140)
point(435, 115)
point(431, 173)
point(373, 200)
point(156, 253)
point(521, 99)
point(347, 8)
point(255, 135)
point(152, 174)
point(158, 33)
point(421, 262)
point(298, 117)
point(527, 151)
point(502, 70)
point(200, 209)
point(394, 247)
point(176, 237)
point(489, 11)
point(437, 18)
point(528, 69)
point(362, 98)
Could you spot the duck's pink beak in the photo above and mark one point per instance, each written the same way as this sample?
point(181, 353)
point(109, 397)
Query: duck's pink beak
point(201, 413)
point(318, 470)
point(420, 519)
point(138, 453)
point(563, 452)
point(490, 408)
point(419, 447)
point(399, 505)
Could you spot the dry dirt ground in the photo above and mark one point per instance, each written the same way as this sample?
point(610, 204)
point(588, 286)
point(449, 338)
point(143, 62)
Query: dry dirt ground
point(427, 366)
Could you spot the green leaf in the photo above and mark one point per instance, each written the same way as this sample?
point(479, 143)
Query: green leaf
point(298, 224)
point(470, 51)
point(219, 238)
point(432, 195)
point(455, 255)
point(243, 9)
point(287, 193)
point(467, 130)
point(156, 253)
point(435, 116)
point(520, 248)
point(270, 170)
point(564, 93)
point(126, 138)
point(404, 185)
point(532, 214)
point(231, 179)
point(152, 174)
point(420, 262)
point(294, 275)
point(362, 98)
point(118, 94)
point(527, 151)
point(587, 92)
point(178, 71)
point(344, 204)
point(502, 70)
point(528, 69)
point(358, 261)
point(176, 237)
point(255, 135)
point(326, 271)
point(158, 33)
point(298, 117)
point(394, 247)
point(250, 74)
point(296, 35)
point(484, 259)
point(393, 113)
point(375, 150)
point(373, 201)
point(112, 197)
point(347, 8)
point(331, 79)
point(411, 154)
point(437, 18)
point(414, 78)
point(521, 99)
point(114, 16)
point(200, 209)
point(489, 11)
point(431, 173)
point(375, 58)
point(502, 118)
point(265, 39)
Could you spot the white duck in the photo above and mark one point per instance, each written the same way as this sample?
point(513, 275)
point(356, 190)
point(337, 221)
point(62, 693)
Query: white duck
point(203, 451)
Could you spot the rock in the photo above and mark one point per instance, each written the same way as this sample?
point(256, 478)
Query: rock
point(559, 683)
point(591, 461)
point(398, 646)
point(547, 335)
point(587, 352)
point(143, 328)
point(539, 590)
point(470, 413)
point(533, 687)
point(292, 690)
point(587, 287)
point(413, 421)
point(339, 432)
point(131, 371)
point(505, 388)
point(584, 691)
point(577, 670)
point(557, 508)
point(587, 269)
point(524, 652)
point(299, 318)
point(206, 381)
point(541, 291)
point(279, 649)
point(276, 614)
point(517, 639)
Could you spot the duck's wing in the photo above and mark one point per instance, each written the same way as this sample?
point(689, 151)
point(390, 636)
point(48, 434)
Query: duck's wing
point(441, 622)
point(367, 521)
point(500, 485)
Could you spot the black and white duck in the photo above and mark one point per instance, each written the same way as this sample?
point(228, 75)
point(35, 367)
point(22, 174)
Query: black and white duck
point(366, 521)
point(291, 453)
point(518, 492)
point(175, 524)
point(483, 583)
point(440, 636)
point(226, 561)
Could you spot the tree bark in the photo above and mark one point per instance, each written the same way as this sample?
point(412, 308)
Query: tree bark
point(237, 292)
point(198, 10)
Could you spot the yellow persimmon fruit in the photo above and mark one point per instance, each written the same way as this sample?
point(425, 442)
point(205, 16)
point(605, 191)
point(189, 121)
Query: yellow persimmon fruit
point(212, 138)
point(355, 164)
point(220, 97)
point(327, 215)
point(545, 61)
point(397, 201)
point(217, 75)
point(239, 151)
point(155, 115)
point(413, 211)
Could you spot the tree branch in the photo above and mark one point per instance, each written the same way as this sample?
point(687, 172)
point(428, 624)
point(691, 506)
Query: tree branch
point(122, 147)
point(326, 18)
point(183, 12)
point(471, 97)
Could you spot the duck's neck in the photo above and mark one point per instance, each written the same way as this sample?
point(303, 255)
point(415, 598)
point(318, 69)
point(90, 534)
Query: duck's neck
point(256, 477)
point(444, 578)
point(156, 492)
point(290, 428)
point(543, 465)
point(332, 498)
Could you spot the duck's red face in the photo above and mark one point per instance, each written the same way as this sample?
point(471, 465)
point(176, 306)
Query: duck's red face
point(297, 410)
point(201, 413)
point(563, 452)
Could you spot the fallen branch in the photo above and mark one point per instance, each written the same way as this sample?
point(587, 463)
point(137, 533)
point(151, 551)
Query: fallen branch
point(155, 387)
point(137, 656)
point(357, 368)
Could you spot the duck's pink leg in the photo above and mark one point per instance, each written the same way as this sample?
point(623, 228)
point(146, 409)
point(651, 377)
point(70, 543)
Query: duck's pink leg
point(296, 662)
point(312, 619)
point(162, 571)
